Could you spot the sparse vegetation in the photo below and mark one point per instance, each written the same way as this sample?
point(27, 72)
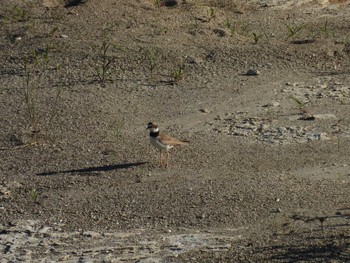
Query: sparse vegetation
point(256, 37)
point(259, 181)
point(157, 3)
point(211, 13)
point(36, 66)
point(117, 129)
point(103, 68)
point(34, 194)
point(178, 74)
point(301, 106)
point(294, 29)
point(19, 14)
point(151, 55)
point(230, 26)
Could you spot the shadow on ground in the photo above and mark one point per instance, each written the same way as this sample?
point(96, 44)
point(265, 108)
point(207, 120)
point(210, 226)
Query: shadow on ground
point(93, 170)
point(318, 243)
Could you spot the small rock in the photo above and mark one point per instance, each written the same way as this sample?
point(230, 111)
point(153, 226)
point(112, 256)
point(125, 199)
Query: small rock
point(271, 104)
point(290, 84)
point(263, 127)
point(190, 60)
point(219, 32)
point(44, 230)
point(252, 72)
point(204, 110)
point(91, 234)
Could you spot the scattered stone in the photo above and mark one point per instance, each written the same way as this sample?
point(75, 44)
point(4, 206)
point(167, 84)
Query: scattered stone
point(289, 84)
point(219, 32)
point(307, 117)
point(271, 104)
point(204, 110)
point(190, 60)
point(252, 72)
point(91, 234)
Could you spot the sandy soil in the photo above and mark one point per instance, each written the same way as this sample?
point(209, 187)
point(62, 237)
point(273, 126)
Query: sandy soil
point(260, 88)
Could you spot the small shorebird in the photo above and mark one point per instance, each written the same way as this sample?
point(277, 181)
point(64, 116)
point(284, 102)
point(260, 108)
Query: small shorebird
point(162, 142)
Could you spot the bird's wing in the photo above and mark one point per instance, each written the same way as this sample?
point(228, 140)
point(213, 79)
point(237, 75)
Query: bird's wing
point(166, 139)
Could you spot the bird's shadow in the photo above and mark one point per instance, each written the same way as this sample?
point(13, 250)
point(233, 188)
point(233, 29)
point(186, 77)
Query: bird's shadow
point(93, 170)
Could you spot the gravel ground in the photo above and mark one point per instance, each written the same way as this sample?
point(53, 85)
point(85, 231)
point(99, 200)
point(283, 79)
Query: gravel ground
point(259, 88)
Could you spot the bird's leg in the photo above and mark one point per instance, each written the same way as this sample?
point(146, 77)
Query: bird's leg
point(160, 157)
point(167, 159)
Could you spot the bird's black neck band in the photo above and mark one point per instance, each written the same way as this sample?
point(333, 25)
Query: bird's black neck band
point(154, 134)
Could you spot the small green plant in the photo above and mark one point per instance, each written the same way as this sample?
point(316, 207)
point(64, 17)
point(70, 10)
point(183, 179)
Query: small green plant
point(177, 74)
point(103, 69)
point(157, 3)
point(35, 66)
point(19, 14)
point(320, 31)
point(211, 13)
point(34, 194)
point(30, 88)
point(152, 60)
point(53, 31)
point(231, 27)
point(303, 110)
point(257, 37)
point(293, 30)
point(325, 30)
point(244, 28)
point(118, 130)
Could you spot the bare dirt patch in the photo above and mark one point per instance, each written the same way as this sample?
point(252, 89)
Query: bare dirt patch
point(266, 176)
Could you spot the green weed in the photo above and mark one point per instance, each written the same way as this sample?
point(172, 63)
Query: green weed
point(257, 37)
point(103, 69)
point(118, 130)
point(303, 110)
point(34, 194)
point(34, 67)
point(293, 30)
point(211, 13)
point(19, 14)
point(152, 60)
point(178, 74)
point(230, 26)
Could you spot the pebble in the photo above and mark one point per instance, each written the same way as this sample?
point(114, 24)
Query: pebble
point(290, 84)
point(271, 104)
point(252, 72)
point(204, 110)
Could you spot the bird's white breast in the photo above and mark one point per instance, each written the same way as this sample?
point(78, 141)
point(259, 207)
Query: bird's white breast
point(159, 145)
